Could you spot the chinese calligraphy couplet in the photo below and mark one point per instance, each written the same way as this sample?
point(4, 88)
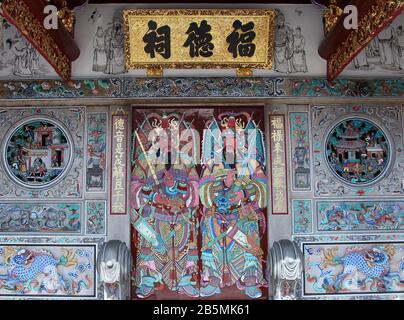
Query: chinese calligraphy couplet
point(119, 163)
point(279, 178)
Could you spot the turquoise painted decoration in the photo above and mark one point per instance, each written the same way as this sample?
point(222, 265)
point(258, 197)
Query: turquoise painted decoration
point(37, 153)
point(302, 217)
point(357, 151)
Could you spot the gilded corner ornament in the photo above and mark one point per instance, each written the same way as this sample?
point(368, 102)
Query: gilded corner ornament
point(19, 14)
point(331, 15)
point(380, 14)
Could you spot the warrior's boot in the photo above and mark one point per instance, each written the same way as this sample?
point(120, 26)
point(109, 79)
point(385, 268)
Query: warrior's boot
point(146, 288)
point(185, 287)
point(252, 288)
point(212, 287)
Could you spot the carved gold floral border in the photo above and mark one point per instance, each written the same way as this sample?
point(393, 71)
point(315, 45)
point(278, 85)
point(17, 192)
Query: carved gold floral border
point(200, 12)
point(382, 13)
point(19, 14)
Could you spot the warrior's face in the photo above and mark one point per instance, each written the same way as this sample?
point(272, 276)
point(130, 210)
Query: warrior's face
point(169, 179)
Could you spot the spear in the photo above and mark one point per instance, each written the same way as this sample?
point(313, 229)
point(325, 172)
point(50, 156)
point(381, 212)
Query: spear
point(156, 180)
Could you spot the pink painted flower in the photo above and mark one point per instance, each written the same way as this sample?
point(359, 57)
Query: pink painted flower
point(45, 86)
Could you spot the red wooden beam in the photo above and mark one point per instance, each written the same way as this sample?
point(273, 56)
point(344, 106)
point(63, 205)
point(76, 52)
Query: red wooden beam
point(341, 46)
point(62, 37)
point(57, 46)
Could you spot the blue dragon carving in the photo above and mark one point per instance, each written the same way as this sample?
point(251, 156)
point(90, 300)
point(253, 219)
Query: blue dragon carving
point(374, 263)
point(25, 266)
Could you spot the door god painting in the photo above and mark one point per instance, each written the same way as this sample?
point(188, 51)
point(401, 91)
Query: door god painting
point(233, 194)
point(37, 153)
point(164, 202)
point(357, 151)
point(198, 199)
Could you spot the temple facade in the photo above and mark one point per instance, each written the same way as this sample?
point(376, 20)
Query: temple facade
point(149, 160)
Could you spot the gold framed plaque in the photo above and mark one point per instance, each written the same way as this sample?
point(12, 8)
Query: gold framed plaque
point(199, 38)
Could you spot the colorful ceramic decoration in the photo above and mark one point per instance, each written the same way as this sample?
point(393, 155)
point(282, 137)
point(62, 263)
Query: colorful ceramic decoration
point(37, 153)
point(164, 203)
point(357, 151)
point(366, 174)
point(225, 87)
point(300, 150)
point(47, 271)
point(40, 218)
point(96, 215)
point(51, 138)
point(337, 216)
point(233, 192)
point(96, 149)
point(353, 268)
point(302, 216)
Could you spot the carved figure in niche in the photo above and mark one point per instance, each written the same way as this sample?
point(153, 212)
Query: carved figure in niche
point(164, 200)
point(357, 151)
point(233, 192)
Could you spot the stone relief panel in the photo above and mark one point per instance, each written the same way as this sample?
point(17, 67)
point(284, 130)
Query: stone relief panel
point(300, 151)
point(383, 55)
point(42, 152)
point(96, 217)
point(96, 151)
point(101, 43)
point(357, 151)
point(41, 218)
point(290, 48)
point(48, 270)
point(299, 33)
point(359, 216)
point(18, 58)
point(302, 216)
point(353, 268)
point(37, 153)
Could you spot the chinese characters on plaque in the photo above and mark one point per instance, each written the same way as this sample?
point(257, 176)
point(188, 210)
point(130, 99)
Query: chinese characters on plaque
point(211, 38)
point(119, 163)
point(279, 187)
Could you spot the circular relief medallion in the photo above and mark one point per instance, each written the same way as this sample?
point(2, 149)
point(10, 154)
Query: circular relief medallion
point(37, 153)
point(357, 151)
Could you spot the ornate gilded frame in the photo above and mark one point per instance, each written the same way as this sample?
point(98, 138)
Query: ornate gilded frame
point(380, 15)
point(271, 14)
point(18, 13)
